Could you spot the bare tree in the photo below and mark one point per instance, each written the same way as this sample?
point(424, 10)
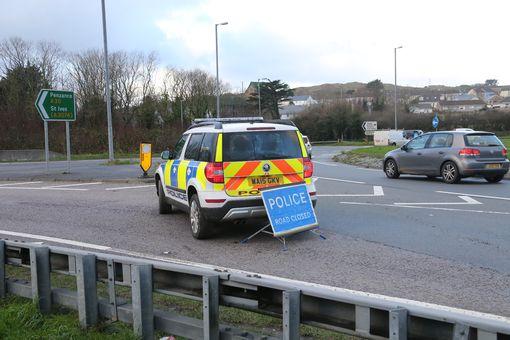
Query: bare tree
point(149, 66)
point(86, 72)
point(126, 85)
point(15, 52)
point(49, 58)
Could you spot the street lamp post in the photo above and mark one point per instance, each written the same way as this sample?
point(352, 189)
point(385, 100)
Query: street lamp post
point(217, 72)
point(396, 48)
point(107, 88)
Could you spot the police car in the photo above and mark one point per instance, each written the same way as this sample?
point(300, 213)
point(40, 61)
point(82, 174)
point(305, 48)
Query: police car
point(218, 166)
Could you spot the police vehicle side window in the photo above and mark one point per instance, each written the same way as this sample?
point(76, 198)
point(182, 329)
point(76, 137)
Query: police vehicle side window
point(193, 147)
point(179, 146)
point(208, 148)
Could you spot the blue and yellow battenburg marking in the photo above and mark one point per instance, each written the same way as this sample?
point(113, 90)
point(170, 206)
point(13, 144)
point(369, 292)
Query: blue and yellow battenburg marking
point(177, 173)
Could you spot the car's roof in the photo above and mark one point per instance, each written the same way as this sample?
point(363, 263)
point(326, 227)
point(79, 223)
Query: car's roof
point(460, 132)
point(241, 127)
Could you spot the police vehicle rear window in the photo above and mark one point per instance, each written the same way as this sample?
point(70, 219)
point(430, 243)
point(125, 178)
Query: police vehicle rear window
point(482, 140)
point(260, 145)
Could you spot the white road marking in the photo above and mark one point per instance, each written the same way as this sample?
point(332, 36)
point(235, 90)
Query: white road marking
point(466, 199)
point(475, 195)
point(378, 191)
point(28, 188)
point(131, 187)
point(429, 208)
point(19, 183)
point(340, 180)
point(70, 185)
point(55, 239)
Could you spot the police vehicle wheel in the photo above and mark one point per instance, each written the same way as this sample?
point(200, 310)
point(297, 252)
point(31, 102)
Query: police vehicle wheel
point(164, 207)
point(200, 226)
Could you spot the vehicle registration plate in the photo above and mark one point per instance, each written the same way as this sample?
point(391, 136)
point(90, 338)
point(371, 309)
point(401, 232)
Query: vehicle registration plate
point(493, 166)
point(266, 181)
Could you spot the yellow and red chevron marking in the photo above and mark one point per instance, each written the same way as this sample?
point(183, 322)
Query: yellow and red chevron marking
point(237, 174)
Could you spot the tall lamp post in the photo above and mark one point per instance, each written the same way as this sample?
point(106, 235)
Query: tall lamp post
point(107, 88)
point(217, 72)
point(396, 48)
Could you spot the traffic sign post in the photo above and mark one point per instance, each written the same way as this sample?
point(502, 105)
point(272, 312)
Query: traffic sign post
point(435, 121)
point(56, 106)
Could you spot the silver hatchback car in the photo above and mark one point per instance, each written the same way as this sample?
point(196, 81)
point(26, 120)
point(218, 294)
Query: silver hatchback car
point(451, 155)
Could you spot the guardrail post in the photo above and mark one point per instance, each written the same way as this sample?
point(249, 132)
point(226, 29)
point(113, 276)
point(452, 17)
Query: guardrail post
point(2, 268)
point(86, 283)
point(398, 324)
point(362, 320)
point(460, 332)
point(111, 288)
point(485, 335)
point(210, 304)
point(141, 290)
point(291, 310)
point(40, 277)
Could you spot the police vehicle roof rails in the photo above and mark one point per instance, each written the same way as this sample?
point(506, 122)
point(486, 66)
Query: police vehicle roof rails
point(218, 122)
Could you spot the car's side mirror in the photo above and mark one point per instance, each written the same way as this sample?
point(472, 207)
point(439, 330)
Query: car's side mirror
point(167, 154)
point(404, 147)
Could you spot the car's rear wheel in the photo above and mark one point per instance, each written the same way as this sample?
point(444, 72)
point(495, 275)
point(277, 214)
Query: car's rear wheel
point(494, 179)
point(164, 207)
point(391, 169)
point(450, 173)
point(200, 226)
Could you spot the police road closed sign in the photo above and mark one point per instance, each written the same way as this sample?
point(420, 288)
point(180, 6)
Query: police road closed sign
point(289, 209)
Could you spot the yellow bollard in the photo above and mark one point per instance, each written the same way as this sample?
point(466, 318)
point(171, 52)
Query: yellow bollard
point(145, 157)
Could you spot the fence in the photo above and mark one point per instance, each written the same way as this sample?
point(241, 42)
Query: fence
point(339, 310)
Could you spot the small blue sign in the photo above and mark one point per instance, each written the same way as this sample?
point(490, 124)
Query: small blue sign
point(289, 209)
point(435, 122)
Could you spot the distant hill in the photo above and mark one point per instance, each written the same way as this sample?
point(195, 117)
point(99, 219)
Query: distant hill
point(358, 89)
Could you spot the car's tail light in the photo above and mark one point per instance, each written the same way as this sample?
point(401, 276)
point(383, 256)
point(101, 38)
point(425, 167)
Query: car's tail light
point(214, 172)
point(307, 168)
point(469, 152)
point(504, 152)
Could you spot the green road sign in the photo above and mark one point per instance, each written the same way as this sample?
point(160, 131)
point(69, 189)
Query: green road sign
point(56, 105)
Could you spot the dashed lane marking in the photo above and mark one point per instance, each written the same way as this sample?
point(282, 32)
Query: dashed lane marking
point(467, 200)
point(475, 195)
point(70, 185)
point(19, 183)
point(340, 180)
point(378, 191)
point(429, 208)
point(131, 187)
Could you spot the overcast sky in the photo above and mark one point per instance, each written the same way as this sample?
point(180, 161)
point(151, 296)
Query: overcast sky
point(301, 42)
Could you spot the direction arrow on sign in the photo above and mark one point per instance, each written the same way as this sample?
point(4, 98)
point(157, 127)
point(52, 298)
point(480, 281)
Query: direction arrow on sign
point(54, 105)
point(369, 125)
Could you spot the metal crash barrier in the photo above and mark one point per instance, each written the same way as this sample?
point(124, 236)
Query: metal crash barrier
point(339, 310)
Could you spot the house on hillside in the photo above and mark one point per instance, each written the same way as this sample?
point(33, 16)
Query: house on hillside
point(503, 104)
point(461, 106)
point(459, 97)
point(290, 108)
point(422, 108)
point(483, 93)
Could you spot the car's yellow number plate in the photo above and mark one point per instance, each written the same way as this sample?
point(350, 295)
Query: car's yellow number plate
point(262, 181)
point(493, 166)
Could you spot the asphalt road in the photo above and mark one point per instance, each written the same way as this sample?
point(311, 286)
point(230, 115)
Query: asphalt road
point(396, 237)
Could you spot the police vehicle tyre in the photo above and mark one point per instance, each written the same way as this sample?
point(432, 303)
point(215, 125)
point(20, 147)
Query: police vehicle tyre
point(164, 207)
point(391, 169)
point(200, 226)
point(450, 173)
point(494, 179)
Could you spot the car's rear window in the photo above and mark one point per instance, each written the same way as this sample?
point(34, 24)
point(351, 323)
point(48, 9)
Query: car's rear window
point(482, 140)
point(260, 145)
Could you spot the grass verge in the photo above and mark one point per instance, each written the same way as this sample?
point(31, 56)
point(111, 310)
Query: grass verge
point(250, 321)
point(345, 143)
point(506, 141)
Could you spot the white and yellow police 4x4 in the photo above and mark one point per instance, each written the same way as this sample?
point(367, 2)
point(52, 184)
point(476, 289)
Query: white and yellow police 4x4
point(218, 167)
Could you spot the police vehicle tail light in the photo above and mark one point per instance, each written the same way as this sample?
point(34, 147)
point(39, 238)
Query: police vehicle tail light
point(214, 172)
point(469, 152)
point(307, 168)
